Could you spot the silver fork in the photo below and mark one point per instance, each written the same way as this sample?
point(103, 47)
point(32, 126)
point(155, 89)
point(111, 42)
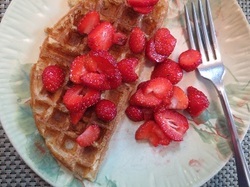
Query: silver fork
point(212, 68)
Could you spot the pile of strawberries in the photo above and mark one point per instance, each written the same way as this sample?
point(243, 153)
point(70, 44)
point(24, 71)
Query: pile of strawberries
point(155, 101)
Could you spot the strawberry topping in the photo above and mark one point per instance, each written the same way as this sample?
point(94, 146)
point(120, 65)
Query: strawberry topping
point(173, 124)
point(106, 110)
point(198, 101)
point(89, 136)
point(119, 38)
point(53, 78)
point(142, 3)
point(101, 37)
point(179, 100)
point(189, 60)
point(137, 40)
point(134, 113)
point(78, 69)
point(127, 68)
point(88, 22)
point(151, 53)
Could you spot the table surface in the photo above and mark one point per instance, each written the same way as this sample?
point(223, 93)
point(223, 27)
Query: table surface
point(14, 171)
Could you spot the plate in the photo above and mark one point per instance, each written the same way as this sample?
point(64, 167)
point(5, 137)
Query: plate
point(192, 162)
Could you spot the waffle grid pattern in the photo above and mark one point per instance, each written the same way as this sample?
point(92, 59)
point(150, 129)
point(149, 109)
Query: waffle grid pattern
point(14, 172)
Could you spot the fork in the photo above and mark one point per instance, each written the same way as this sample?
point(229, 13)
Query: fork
point(212, 68)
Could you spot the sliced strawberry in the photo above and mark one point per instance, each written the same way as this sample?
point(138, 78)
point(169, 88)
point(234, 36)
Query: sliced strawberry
point(144, 100)
point(179, 100)
point(75, 117)
point(151, 53)
point(78, 69)
point(143, 10)
point(53, 78)
point(88, 22)
point(168, 69)
point(198, 101)
point(164, 42)
point(101, 37)
point(173, 124)
point(134, 113)
point(73, 98)
point(106, 110)
point(119, 38)
point(160, 87)
point(107, 65)
point(89, 136)
point(79, 98)
point(189, 60)
point(96, 81)
point(127, 68)
point(150, 131)
point(137, 40)
point(142, 3)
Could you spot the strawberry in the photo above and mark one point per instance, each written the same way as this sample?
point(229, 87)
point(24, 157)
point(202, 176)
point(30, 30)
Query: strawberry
point(142, 3)
point(137, 40)
point(88, 22)
point(164, 42)
point(168, 69)
point(76, 116)
point(143, 10)
point(79, 98)
point(127, 68)
point(160, 87)
point(189, 60)
point(198, 101)
point(107, 65)
point(78, 69)
point(101, 37)
point(53, 78)
point(151, 53)
point(106, 110)
point(119, 38)
point(89, 136)
point(96, 81)
point(173, 124)
point(150, 131)
point(179, 100)
point(134, 113)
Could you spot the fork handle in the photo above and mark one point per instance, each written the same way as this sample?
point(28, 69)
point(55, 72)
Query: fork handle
point(241, 165)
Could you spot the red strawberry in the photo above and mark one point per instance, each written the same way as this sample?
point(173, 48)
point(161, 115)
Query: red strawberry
point(173, 124)
point(137, 40)
point(89, 136)
point(151, 53)
point(101, 37)
point(119, 38)
point(198, 101)
point(127, 68)
point(78, 69)
point(53, 77)
point(150, 131)
point(142, 3)
point(160, 87)
point(75, 117)
point(168, 69)
point(189, 60)
point(107, 65)
point(164, 42)
point(134, 113)
point(96, 81)
point(106, 110)
point(179, 100)
point(88, 22)
point(78, 98)
point(143, 10)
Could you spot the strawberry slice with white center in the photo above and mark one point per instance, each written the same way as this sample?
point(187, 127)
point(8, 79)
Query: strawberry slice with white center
point(179, 100)
point(189, 60)
point(89, 136)
point(173, 124)
point(88, 22)
point(78, 69)
point(101, 37)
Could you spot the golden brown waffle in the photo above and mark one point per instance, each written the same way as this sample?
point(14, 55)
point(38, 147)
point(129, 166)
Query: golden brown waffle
point(61, 46)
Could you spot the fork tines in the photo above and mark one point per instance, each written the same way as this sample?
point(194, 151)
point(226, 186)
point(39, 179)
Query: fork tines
point(206, 37)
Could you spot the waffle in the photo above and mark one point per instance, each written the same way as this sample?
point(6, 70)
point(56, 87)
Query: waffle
point(60, 47)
